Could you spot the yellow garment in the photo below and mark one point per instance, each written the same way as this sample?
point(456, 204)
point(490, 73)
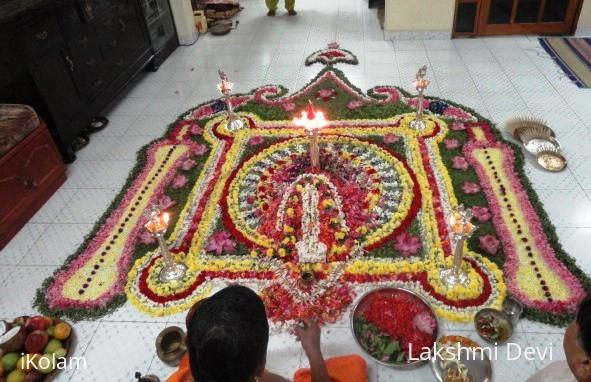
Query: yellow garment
point(349, 368)
point(272, 4)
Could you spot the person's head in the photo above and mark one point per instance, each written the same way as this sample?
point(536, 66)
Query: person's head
point(577, 343)
point(227, 337)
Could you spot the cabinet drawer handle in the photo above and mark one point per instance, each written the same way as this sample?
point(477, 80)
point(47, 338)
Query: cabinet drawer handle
point(30, 184)
point(90, 62)
point(42, 35)
point(83, 40)
point(70, 63)
point(98, 83)
point(122, 25)
point(120, 62)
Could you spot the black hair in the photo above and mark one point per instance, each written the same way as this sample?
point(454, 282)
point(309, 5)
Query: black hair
point(228, 336)
point(584, 323)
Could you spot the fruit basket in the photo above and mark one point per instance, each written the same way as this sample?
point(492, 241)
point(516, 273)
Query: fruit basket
point(394, 326)
point(34, 349)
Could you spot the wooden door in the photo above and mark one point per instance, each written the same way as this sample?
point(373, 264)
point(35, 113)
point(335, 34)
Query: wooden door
point(501, 17)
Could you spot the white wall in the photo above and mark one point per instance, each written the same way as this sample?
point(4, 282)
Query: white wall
point(419, 15)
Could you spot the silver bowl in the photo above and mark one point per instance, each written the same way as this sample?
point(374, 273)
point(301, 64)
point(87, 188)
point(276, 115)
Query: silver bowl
point(499, 315)
point(365, 297)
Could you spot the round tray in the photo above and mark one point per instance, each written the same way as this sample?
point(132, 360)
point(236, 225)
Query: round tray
point(478, 363)
point(365, 297)
point(498, 315)
point(538, 144)
point(68, 344)
point(551, 161)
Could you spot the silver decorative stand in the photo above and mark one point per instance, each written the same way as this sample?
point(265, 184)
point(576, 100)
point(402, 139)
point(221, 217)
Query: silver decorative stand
point(420, 83)
point(462, 229)
point(310, 249)
point(157, 226)
point(225, 87)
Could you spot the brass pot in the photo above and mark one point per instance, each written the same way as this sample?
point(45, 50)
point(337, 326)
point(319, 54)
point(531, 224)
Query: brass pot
point(170, 345)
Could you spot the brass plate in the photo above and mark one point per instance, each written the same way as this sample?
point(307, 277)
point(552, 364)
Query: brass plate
point(551, 161)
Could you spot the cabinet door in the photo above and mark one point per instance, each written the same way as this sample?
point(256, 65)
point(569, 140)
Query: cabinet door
point(52, 74)
point(527, 16)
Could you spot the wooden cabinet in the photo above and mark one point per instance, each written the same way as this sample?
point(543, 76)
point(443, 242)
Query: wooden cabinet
point(79, 54)
point(29, 174)
point(501, 17)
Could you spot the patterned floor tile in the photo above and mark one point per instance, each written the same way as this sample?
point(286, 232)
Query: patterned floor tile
point(118, 350)
point(57, 243)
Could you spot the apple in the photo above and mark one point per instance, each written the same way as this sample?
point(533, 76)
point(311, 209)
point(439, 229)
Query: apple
point(36, 323)
point(60, 353)
point(45, 364)
point(36, 341)
point(16, 376)
point(52, 346)
point(9, 361)
point(13, 339)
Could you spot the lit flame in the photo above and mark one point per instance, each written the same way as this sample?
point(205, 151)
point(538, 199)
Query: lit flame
point(158, 221)
point(311, 119)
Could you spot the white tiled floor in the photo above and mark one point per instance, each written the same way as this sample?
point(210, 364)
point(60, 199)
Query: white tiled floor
point(499, 77)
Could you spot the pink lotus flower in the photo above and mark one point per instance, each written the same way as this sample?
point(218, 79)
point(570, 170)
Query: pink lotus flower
point(407, 244)
point(390, 138)
point(425, 322)
point(470, 188)
point(489, 243)
point(146, 237)
point(188, 164)
point(482, 214)
point(165, 202)
point(200, 149)
point(326, 94)
point(288, 106)
point(355, 104)
point(451, 143)
point(459, 163)
point(255, 141)
point(179, 181)
point(456, 113)
point(457, 126)
point(196, 129)
point(220, 242)
point(414, 102)
point(203, 111)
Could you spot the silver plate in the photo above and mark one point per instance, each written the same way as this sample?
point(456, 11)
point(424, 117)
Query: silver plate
point(363, 299)
point(536, 145)
point(500, 316)
point(478, 365)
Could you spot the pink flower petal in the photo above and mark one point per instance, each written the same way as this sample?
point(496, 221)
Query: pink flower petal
point(390, 138)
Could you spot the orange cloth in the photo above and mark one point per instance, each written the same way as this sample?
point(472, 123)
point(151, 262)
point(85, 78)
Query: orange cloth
point(183, 374)
point(349, 368)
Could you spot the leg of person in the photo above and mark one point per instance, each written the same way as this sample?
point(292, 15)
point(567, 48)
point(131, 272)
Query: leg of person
point(272, 5)
point(290, 6)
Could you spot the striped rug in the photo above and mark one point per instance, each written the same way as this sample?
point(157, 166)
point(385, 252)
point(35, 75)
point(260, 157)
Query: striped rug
point(573, 55)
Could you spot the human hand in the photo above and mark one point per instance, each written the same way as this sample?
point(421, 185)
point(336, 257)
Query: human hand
point(308, 333)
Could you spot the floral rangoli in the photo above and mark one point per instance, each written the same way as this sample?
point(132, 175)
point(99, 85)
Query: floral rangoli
point(383, 197)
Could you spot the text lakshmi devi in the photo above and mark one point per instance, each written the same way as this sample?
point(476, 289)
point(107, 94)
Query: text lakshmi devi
point(513, 352)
